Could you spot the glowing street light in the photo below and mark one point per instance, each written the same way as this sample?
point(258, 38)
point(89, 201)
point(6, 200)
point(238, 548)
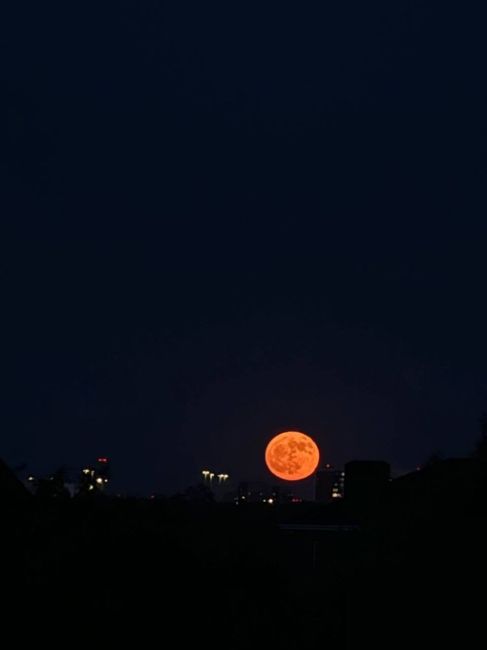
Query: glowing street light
point(208, 477)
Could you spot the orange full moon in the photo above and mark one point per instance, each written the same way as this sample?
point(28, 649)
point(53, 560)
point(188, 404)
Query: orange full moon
point(292, 455)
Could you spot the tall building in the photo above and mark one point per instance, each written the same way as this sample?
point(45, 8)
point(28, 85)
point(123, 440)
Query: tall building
point(329, 484)
point(103, 468)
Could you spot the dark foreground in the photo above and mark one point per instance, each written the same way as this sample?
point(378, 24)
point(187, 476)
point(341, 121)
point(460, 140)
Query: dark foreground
point(409, 572)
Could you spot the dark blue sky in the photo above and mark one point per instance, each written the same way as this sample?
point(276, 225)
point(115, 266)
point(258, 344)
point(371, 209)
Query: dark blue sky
point(221, 221)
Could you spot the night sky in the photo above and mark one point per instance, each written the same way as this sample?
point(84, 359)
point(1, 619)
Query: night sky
point(221, 221)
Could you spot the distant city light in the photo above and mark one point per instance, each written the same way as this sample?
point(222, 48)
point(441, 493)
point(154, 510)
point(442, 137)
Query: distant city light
point(86, 471)
point(208, 476)
point(99, 480)
point(103, 459)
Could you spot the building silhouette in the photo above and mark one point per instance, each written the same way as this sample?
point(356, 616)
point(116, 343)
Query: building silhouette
point(329, 484)
point(366, 482)
point(260, 492)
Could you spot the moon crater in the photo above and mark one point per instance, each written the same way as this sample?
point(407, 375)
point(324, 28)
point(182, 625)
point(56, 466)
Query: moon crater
point(292, 455)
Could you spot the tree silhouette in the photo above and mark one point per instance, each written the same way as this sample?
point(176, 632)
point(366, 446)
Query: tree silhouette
point(53, 486)
point(433, 459)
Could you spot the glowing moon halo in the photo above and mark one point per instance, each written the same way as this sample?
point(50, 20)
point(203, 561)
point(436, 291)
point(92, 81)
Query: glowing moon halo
point(292, 455)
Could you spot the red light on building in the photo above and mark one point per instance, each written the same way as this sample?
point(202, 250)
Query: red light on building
point(103, 460)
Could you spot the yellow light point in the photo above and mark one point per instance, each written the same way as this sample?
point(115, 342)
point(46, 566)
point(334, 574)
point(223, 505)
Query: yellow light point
point(86, 471)
point(99, 481)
